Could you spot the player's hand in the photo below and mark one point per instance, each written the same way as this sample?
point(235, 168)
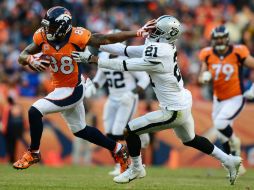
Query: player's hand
point(144, 31)
point(90, 88)
point(205, 77)
point(80, 56)
point(127, 97)
point(37, 64)
point(249, 94)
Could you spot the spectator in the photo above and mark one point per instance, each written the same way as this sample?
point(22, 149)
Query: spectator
point(13, 123)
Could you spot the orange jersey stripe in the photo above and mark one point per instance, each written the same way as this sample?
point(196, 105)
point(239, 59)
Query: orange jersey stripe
point(226, 70)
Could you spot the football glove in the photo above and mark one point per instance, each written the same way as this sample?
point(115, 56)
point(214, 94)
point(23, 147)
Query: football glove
point(90, 88)
point(144, 31)
point(37, 64)
point(127, 97)
point(249, 94)
point(206, 76)
point(81, 57)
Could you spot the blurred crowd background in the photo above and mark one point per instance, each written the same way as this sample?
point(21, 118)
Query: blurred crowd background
point(19, 19)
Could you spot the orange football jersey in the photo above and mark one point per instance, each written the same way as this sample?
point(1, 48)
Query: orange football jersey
point(226, 70)
point(64, 70)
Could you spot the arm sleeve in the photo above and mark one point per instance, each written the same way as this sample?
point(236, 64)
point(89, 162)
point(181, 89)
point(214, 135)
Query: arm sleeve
point(134, 64)
point(99, 78)
point(123, 50)
point(143, 79)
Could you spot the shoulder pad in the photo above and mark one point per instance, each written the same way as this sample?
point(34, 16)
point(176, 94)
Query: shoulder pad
point(39, 37)
point(80, 36)
point(204, 53)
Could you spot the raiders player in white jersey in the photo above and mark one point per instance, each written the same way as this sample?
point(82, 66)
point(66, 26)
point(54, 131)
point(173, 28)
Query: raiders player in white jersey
point(159, 60)
point(122, 101)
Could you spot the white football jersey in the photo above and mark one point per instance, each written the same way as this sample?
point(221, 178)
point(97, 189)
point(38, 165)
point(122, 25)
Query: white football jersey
point(119, 81)
point(159, 60)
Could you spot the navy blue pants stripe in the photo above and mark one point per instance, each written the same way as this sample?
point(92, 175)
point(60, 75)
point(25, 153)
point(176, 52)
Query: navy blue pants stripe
point(73, 98)
point(238, 111)
point(152, 125)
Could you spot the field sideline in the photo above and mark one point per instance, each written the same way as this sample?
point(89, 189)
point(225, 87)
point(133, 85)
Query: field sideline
point(96, 178)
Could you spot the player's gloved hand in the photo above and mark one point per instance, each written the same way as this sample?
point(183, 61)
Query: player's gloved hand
point(81, 56)
point(144, 31)
point(249, 94)
point(37, 64)
point(127, 97)
point(90, 88)
point(205, 77)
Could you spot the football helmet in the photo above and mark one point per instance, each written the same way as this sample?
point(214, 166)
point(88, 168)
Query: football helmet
point(220, 38)
point(57, 22)
point(167, 29)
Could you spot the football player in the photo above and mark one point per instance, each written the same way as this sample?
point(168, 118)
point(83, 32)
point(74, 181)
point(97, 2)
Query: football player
point(122, 101)
point(224, 63)
point(158, 57)
point(57, 38)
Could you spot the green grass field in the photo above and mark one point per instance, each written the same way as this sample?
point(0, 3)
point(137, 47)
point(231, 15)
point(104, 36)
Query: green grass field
point(79, 178)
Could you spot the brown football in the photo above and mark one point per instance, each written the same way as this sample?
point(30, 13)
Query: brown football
point(45, 57)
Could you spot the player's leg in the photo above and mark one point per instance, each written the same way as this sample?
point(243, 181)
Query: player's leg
point(185, 131)
point(56, 101)
point(229, 109)
point(153, 121)
point(124, 113)
point(109, 112)
point(33, 156)
point(75, 118)
point(226, 112)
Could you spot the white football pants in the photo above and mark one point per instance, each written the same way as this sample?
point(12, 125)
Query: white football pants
point(180, 121)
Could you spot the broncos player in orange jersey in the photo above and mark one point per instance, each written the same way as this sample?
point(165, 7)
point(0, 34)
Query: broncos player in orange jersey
point(57, 38)
point(222, 63)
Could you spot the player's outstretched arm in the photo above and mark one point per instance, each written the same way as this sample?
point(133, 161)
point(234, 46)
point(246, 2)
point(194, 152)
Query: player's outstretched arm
point(102, 39)
point(134, 64)
point(123, 50)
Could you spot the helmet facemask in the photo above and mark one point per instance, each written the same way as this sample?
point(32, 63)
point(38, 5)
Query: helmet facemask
point(58, 24)
point(220, 38)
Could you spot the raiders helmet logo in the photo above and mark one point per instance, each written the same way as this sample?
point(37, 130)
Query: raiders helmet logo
point(174, 31)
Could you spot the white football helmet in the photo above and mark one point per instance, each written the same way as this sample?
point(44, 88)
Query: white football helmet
point(167, 29)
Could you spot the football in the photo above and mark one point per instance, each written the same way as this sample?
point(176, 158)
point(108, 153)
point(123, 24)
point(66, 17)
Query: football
point(47, 58)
